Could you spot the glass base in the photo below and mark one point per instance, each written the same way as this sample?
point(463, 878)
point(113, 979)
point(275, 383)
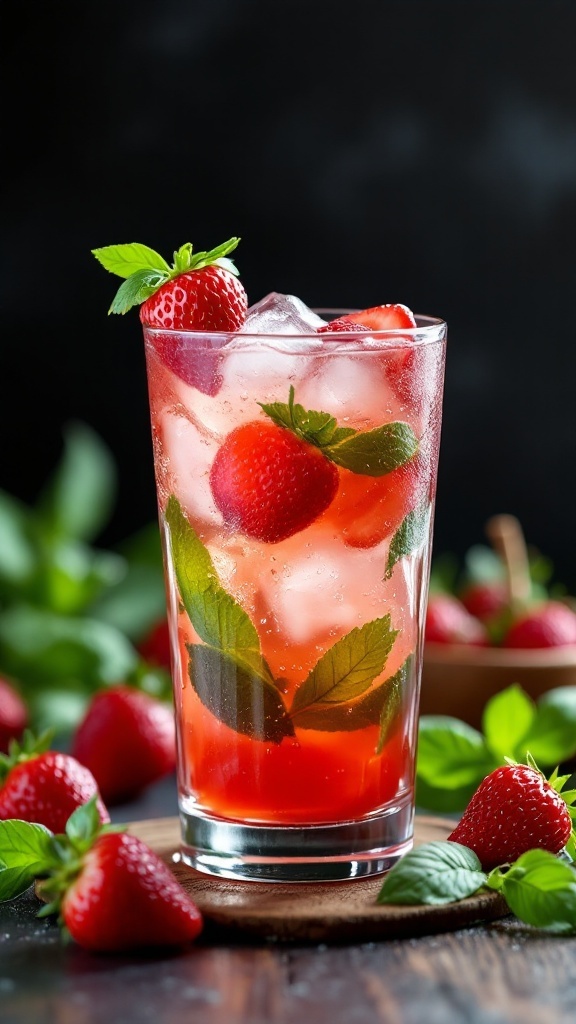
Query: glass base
point(296, 853)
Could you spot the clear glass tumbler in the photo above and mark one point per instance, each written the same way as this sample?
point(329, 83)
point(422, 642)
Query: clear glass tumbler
point(296, 481)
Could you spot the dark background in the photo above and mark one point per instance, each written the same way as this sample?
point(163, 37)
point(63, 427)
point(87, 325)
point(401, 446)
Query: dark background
point(366, 152)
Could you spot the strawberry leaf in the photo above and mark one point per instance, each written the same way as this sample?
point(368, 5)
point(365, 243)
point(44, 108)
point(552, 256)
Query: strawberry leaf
point(349, 667)
point(409, 536)
point(434, 873)
point(139, 287)
point(238, 696)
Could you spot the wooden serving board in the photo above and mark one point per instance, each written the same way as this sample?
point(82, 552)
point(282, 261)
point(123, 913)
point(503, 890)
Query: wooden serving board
point(315, 912)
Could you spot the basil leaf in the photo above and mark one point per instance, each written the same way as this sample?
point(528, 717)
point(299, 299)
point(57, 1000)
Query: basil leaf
point(434, 873)
point(451, 754)
point(238, 696)
point(375, 452)
point(349, 667)
point(409, 536)
point(541, 891)
point(552, 736)
point(506, 720)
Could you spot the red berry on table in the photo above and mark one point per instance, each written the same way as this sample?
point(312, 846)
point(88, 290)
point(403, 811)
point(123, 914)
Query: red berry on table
point(127, 740)
point(485, 600)
point(448, 622)
point(13, 714)
point(111, 891)
point(270, 484)
point(551, 624)
point(125, 897)
point(199, 292)
point(44, 786)
point(514, 809)
point(155, 646)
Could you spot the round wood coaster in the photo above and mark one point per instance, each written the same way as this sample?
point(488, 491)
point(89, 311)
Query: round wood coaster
point(315, 912)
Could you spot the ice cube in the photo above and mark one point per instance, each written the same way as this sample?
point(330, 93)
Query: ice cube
point(353, 388)
point(183, 457)
point(280, 314)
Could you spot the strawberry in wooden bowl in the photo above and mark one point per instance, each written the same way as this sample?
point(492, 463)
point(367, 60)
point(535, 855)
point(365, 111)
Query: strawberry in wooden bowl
point(487, 633)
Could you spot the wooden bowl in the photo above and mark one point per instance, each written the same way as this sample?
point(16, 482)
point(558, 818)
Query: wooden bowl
point(458, 679)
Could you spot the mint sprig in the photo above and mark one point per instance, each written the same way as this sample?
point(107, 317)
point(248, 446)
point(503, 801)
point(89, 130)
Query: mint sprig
point(369, 453)
point(539, 888)
point(145, 270)
point(409, 536)
point(453, 757)
point(337, 694)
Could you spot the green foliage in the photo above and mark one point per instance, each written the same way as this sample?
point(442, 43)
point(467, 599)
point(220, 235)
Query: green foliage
point(71, 613)
point(453, 758)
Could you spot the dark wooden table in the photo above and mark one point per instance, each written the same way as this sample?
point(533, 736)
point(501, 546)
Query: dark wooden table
point(494, 974)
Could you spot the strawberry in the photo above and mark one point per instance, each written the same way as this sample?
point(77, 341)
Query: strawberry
point(448, 622)
point(199, 292)
point(343, 323)
point(155, 646)
point(484, 600)
point(401, 365)
point(515, 809)
point(45, 786)
point(13, 714)
point(111, 891)
point(368, 509)
point(550, 624)
point(268, 483)
point(127, 740)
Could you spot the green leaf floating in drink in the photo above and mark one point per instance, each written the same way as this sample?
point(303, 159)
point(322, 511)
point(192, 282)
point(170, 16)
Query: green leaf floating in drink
point(409, 536)
point(368, 452)
point(231, 677)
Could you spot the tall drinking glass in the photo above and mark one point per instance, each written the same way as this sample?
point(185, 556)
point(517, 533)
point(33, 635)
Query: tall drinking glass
point(296, 636)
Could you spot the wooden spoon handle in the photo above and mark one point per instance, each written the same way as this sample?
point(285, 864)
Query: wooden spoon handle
point(507, 539)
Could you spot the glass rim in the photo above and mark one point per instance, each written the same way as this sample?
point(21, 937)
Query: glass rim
point(425, 331)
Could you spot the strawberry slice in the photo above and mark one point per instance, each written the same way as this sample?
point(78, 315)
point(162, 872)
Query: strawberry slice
point(368, 509)
point(401, 365)
point(343, 323)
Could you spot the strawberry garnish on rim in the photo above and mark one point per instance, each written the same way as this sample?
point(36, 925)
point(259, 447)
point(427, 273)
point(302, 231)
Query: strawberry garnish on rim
point(390, 317)
point(199, 292)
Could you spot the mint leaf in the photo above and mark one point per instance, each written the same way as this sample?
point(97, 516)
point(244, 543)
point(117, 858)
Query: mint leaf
point(506, 721)
point(395, 691)
point(17, 553)
point(540, 890)
point(409, 536)
point(237, 695)
point(451, 753)
point(217, 618)
point(434, 873)
point(349, 667)
point(15, 881)
point(376, 706)
point(375, 452)
point(127, 259)
point(371, 452)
